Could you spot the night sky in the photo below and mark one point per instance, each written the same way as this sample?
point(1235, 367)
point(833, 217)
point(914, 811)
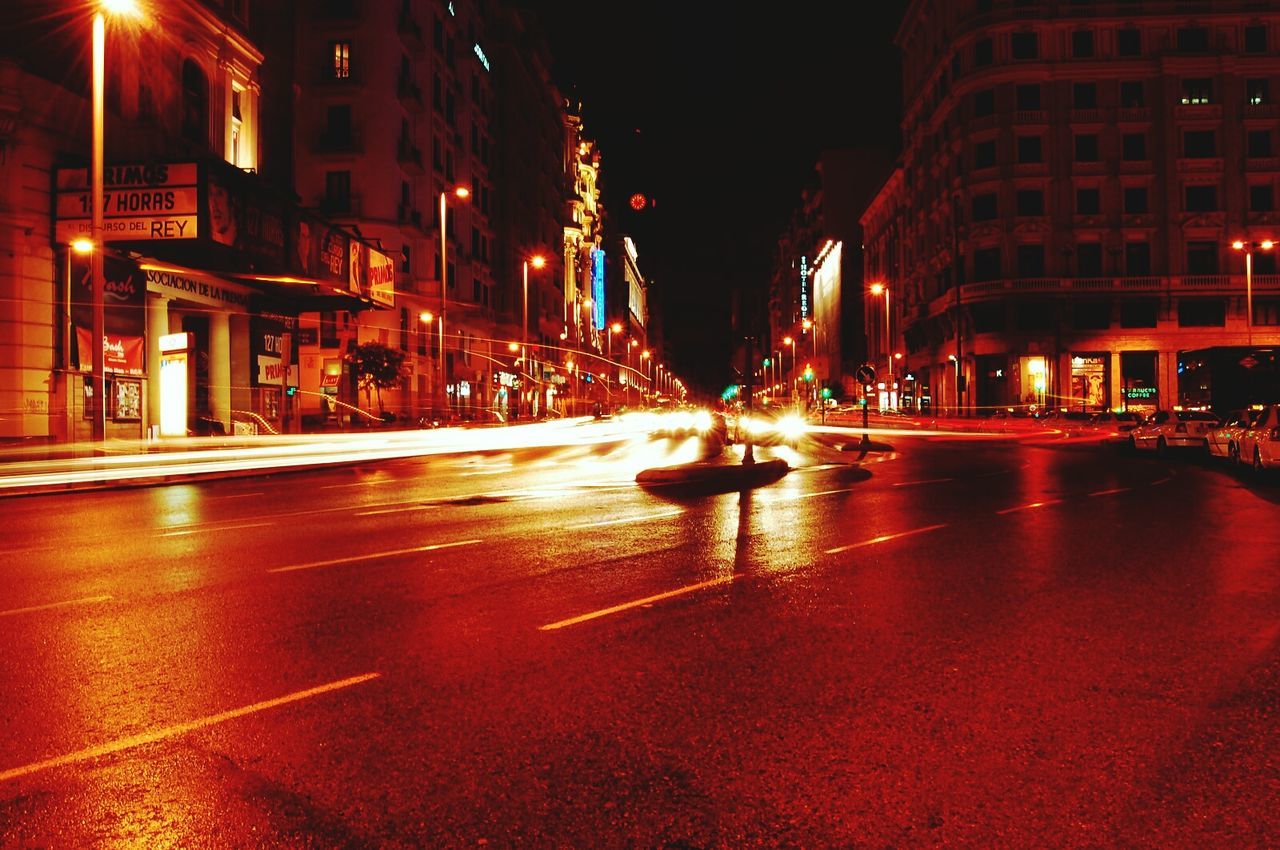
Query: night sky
point(718, 113)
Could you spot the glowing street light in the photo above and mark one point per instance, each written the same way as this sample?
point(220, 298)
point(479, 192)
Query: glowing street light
point(461, 193)
point(537, 261)
point(1247, 247)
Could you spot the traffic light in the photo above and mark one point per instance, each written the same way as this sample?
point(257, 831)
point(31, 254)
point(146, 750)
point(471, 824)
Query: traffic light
point(808, 372)
point(290, 391)
point(826, 392)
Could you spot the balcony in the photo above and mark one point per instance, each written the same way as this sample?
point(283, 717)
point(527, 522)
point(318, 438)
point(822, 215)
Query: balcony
point(410, 94)
point(338, 141)
point(1091, 286)
point(1030, 116)
point(1198, 111)
point(1134, 115)
point(1199, 164)
point(1087, 167)
point(409, 157)
point(1261, 110)
point(1263, 163)
point(1086, 116)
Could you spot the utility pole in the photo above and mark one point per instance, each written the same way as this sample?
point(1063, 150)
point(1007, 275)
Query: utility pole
point(747, 456)
point(956, 277)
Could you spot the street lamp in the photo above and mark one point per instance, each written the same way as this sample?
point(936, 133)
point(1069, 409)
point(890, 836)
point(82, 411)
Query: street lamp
point(616, 327)
point(537, 261)
point(648, 373)
point(788, 342)
point(881, 289)
point(461, 193)
point(98, 404)
point(1248, 247)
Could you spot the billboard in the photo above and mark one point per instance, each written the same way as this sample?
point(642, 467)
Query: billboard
point(140, 202)
point(123, 298)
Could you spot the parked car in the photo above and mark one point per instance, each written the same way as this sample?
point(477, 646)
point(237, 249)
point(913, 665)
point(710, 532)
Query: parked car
point(1121, 422)
point(1260, 442)
point(1224, 441)
point(1167, 429)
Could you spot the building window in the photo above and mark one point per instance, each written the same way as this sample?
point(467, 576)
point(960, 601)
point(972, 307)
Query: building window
point(1028, 97)
point(1088, 201)
point(1135, 200)
point(1084, 96)
point(1091, 315)
point(1255, 39)
point(984, 207)
point(1202, 258)
point(236, 155)
point(1089, 259)
point(1030, 202)
point(1137, 263)
point(437, 154)
point(195, 103)
point(406, 259)
point(437, 34)
point(1082, 44)
point(337, 191)
point(1201, 198)
point(1129, 42)
point(1034, 316)
point(1202, 312)
point(1132, 94)
point(1030, 149)
point(1024, 45)
point(341, 68)
point(986, 264)
point(1262, 198)
point(984, 103)
point(1199, 144)
point(1197, 91)
point(1266, 311)
point(1134, 147)
point(1139, 312)
point(1257, 92)
point(1264, 262)
point(1030, 261)
point(239, 10)
point(1259, 143)
point(1087, 147)
point(984, 154)
point(1192, 39)
point(983, 54)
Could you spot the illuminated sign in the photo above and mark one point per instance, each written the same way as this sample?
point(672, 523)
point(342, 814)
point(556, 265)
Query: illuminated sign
point(1139, 392)
point(382, 278)
point(804, 287)
point(597, 287)
point(175, 342)
point(484, 60)
point(173, 392)
point(141, 202)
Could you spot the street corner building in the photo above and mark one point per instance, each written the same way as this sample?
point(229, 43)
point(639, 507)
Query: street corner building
point(1083, 211)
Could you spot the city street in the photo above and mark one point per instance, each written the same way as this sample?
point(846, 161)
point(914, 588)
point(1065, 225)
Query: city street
point(974, 643)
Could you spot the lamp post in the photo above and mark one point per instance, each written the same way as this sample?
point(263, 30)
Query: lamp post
point(538, 261)
point(788, 342)
point(1248, 248)
point(462, 193)
point(648, 372)
point(616, 327)
point(881, 289)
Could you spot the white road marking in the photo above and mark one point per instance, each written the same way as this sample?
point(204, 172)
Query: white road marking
point(1030, 506)
point(796, 496)
point(626, 606)
point(237, 495)
point(1111, 492)
point(1164, 480)
point(88, 600)
point(187, 531)
point(926, 481)
point(625, 520)
point(884, 537)
point(373, 556)
point(396, 510)
point(178, 729)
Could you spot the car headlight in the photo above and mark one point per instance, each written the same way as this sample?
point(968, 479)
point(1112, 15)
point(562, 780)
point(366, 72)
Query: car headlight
point(792, 427)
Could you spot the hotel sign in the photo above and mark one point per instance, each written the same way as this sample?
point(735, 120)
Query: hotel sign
point(140, 202)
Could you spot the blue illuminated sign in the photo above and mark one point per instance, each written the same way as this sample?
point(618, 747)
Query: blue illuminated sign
point(804, 287)
point(597, 286)
point(484, 60)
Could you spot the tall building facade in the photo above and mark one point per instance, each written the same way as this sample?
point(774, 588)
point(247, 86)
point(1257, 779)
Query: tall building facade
point(1059, 232)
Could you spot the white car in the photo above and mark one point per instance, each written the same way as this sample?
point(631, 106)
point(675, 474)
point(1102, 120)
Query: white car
point(1167, 429)
point(1260, 444)
point(1224, 441)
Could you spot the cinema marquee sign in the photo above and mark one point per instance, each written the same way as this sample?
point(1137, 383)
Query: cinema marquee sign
point(140, 202)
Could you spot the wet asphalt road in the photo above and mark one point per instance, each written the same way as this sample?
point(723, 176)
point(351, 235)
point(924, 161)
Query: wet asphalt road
point(954, 643)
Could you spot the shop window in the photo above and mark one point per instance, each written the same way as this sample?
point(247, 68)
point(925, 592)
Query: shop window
point(1084, 96)
point(1030, 149)
point(1202, 312)
point(1030, 202)
point(1082, 44)
point(1202, 258)
point(1259, 144)
point(1197, 91)
point(1088, 201)
point(1089, 259)
point(1133, 94)
point(1027, 97)
point(1139, 312)
point(1090, 388)
point(1133, 147)
point(1255, 39)
point(1199, 144)
point(1129, 42)
point(1201, 198)
point(1087, 147)
point(1137, 260)
point(1192, 39)
point(1030, 261)
point(1138, 380)
point(1135, 200)
point(1262, 198)
point(1024, 45)
point(984, 207)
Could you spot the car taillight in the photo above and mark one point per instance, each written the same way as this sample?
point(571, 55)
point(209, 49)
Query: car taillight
point(1180, 428)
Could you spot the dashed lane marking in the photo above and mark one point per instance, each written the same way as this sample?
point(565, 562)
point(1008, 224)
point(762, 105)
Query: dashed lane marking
point(926, 481)
point(884, 538)
point(625, 520)
point(1030, 506)
point(626, 606)
point(1111, 492)
point(371, 556)
point(88, 600)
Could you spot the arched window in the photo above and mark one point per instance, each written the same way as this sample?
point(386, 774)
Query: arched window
point(195, 103)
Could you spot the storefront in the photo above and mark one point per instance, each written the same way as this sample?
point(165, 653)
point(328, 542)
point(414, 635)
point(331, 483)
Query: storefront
point(1139, 385)
point(1090, 381)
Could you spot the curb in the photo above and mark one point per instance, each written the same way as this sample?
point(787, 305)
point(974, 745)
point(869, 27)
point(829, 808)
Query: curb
point(743, 475)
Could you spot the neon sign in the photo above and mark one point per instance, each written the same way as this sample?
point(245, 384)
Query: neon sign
point(484, 60)
point(804, 287)
point(597, 287)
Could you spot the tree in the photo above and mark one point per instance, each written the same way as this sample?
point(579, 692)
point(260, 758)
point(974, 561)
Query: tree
point(378, 366)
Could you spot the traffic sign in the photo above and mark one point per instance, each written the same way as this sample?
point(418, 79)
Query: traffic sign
point(867, 373)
